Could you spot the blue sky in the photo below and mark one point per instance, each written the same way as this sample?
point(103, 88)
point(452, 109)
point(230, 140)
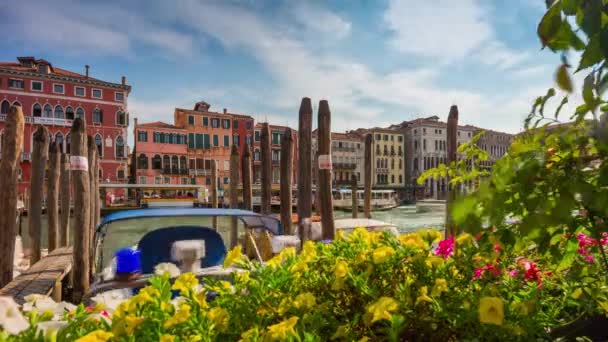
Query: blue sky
point(377, 62)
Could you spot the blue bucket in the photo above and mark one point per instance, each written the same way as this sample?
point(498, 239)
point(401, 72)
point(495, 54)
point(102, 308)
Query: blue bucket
point(128, 261)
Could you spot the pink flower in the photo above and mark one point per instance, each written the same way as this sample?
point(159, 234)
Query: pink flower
point(513, 273)
point(589, 259)
point(445, 247)
point(478, 273)
point(104, 313)
point(497, 248)
point(533, 274)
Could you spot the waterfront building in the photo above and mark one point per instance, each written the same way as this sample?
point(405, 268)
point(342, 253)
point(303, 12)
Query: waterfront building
point(347, 155)
point(496, 144)
point(388, 158)
point(54, 97)
point(276, 137)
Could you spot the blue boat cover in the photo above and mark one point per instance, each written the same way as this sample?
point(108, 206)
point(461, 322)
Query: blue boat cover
point(155, 246)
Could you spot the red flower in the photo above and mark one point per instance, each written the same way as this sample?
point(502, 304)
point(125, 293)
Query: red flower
point(445, 247)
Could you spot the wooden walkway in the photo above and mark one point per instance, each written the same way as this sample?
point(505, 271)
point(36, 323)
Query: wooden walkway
point(44, 277)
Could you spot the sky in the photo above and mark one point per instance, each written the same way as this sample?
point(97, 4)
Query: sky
point(376, 62)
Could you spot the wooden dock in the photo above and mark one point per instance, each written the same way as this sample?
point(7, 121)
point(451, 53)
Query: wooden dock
point(44, 277)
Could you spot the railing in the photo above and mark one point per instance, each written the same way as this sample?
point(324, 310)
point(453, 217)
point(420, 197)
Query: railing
point(382, 170)
point(52, 121)
point(200, 172)
point(345, 166)
point(344, 149)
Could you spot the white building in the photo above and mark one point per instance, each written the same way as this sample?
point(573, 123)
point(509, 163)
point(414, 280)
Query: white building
point(347, 154)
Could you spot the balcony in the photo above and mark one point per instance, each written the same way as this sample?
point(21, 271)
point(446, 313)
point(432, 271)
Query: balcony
point(344, 149)
point(200, 172)
point(345, 166)
point(276, 162)
point(52, 121)
point(382, 171)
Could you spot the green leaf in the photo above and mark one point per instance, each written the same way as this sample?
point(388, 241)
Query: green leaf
point(569, 255)
point(592, 17)
point(588, 86)
point(562, 77)
point(570, 6)
point(550, 94)
point(549, 25)
point(559, 108)
point(566, 39)
point(592, 55)
point(604, 41)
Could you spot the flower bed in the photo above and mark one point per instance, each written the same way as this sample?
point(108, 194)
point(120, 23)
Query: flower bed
point(364, 287)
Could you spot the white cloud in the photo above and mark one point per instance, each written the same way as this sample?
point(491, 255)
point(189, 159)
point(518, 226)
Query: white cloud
point(496, 53)
point(320, 21)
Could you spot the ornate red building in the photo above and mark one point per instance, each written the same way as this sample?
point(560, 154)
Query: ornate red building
point(53, 97)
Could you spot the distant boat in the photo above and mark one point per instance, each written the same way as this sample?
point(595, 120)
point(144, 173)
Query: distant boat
point(381, 199)
point(430, 205)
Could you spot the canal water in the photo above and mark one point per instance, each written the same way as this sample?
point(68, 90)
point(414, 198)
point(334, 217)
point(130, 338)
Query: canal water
point(405, 218)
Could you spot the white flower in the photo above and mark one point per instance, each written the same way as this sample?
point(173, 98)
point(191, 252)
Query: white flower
point(167, 267)
point(111, 299)
point(51, 327)
point(11, 318)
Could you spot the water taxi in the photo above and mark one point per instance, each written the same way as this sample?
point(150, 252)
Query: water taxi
point(381, 199)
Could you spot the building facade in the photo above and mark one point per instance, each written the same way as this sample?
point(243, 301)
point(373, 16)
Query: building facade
point(161, 153)
point(242, 131)
point(496, 144)
point(54, 97)
point(388, 158)
point(347, 155)
point(276, 137)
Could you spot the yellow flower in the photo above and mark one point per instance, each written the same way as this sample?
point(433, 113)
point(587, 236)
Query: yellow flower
point(361, 257)
point(283, 306)
point(242, 277)
point(281, 331)
point(167, 338)
point(382, 308)
point(201, 298)
point(219, 317)
point(381, 254)
point(342, 331)
point(338, 284)
point(363, 339)
point(132, 323)
point(491, 310)
point(234, 256)
point(305, 300)
point(288, 252)
point(339, 234)
point(464, 238)
point(523, 308)
point(250, 335)
point(362, 234)
point(181, 316)
point(430, 235)
point(139, 299)
point(122, 310)
point(185, 283)
point(299, 267)
point(441, 285)
point(412, 240)
point(275, 262)
point(433, 261)
point(96, 336)
point(341, 269)
point(309, 251)
point(424, 297)
point(194, 338)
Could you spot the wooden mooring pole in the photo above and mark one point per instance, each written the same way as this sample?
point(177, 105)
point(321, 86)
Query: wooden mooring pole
point(266, 180)
point(79, 165)
point(214, 199)
point(324, 186)
point(64, 198)
point(235, 168)
point(246, 174)
point(52, 201)
point(287, 181)
point(12, 141)
point(304, 168)
point(355, 202)
point(367, 190)
point(452, 142)
point(97, 201)
point(39, 157)
point(92, 159)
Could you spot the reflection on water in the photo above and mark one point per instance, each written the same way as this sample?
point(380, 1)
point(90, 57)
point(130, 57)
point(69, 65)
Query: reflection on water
point(405, 218)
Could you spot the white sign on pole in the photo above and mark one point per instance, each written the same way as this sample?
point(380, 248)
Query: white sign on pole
point(325, 162)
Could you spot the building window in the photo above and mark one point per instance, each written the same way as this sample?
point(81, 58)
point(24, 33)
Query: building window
point(119, 96)
point(400, 138)
point(225, 124)
point(156, 137)
point(6, 107)
point(120, 147)
point(79, 91)
point(15, 84)
point(167, 180)
point(97, 115)
point(59, 140)
point(121, 118)
point(236, 139)
point(143, 179)
point(225, 180)
point(69, 113)
point(215, 123)
point(80, 113)
point(98, 142)
point(226, 141)
point(157, 162)
point(191, 120)
point(36, 86)
point(190, 140)
point(256, 155)
point(276, 155)
point(248, 125)
point(121, 174)
point(183, 163)
point(166, 163)
point(205, 121)
point(256, 136)
point(142, 136)
point(248, 140)
point(36, 110)
point(276, 138)
point(96, 93)
point(59, 112)
point(158, 180)
point(184, 180)
point(216, 140)
point(400, 179)
point(58, 88)
point(199, 141)
point(424, 144)
point(235, 124)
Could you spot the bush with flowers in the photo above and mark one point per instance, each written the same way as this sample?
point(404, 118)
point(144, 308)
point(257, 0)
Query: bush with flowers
point(362, 287)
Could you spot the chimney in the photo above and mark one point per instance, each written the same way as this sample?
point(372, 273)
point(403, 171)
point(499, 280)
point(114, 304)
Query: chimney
point(87, 70)
point(225, 110)
point(124, 80)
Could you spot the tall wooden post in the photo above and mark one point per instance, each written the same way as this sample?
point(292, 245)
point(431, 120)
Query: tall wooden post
point(214, 199)
point(246, 174)
point(92, 158)
point(287, 181)
point(304, 166)
point(234, 193)
point(39, 157)
point(324, 187)
point(12, 142)
point(96, 180)
point(355, 202)
point(80, 180)
point(52, 202)
point(452, 142)
point(318, 207)
point(367, 190)
point(266, 185)
point(64, 197)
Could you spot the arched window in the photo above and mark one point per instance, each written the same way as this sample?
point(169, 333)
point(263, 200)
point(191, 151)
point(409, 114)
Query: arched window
point(5, 108)
point(156, 137)
point(120, 147)
point(36, 110)
point(183, 163)
point(174, 164)
point(97, 115)
point(121, 118)
point(17, 103)
point(48, 111)
point(157, 163)
point(69, 113)
point(80, 113)
point(142, 161)
point(166, 163)
point(59, 140)
point(67, 143)
point(256, 155)
point(59, 112)
point(99, 143)
point(174, 138)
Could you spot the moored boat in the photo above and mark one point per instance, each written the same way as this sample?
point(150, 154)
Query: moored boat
point(381, 199)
